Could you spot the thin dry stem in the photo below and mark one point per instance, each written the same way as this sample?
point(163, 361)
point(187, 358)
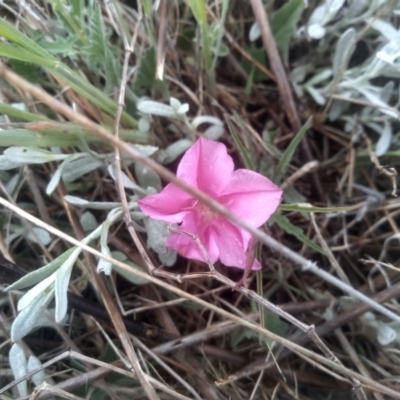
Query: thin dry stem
point(205, 199)
point(283, 83)
point(123, 333)
point(292, 346)
point(388, 171)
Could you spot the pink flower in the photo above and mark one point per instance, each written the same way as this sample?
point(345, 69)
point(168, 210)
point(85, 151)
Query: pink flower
point(247, 194)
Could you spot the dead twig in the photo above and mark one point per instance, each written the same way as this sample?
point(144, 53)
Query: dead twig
point(283, 84)
point(390, 172)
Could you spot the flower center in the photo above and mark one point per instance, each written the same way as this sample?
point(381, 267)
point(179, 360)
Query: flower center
point(205, 212)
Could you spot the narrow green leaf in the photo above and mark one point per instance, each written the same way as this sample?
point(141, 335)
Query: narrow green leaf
point(289, 152)
point(51, 134)
point(219, 46)
point(15, 36)
point(68, 19)
point(250, 81)
point(96, 96)
point(274, 324)
point(199, 11)
point(20, 114)
point(147, 7)
point(238, 335)
point(284, 22)
point(259, 55)
point(147, 70)
point(33, 53)
point(288, 227)
point(77, 9)
point(13, 52)
point(246, 157)
point(310, 208)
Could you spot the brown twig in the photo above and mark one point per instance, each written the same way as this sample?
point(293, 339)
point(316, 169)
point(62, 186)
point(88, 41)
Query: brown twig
point(250, 294)
point(117, 319)
point(162, 33)
point(390, 172)
point(308, 354)
point(283, 84)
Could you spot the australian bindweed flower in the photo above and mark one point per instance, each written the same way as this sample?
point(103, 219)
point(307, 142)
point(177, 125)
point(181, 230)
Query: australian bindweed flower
point(207, 166)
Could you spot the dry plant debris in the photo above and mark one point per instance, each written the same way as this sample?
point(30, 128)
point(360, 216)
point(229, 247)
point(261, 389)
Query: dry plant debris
point(99, 100)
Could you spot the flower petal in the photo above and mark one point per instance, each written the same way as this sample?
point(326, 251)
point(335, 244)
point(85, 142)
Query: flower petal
point(220, 239)
point(251, 196)
point(170, 205)
point(206, 166)
point(186, 246)
point(231, 245)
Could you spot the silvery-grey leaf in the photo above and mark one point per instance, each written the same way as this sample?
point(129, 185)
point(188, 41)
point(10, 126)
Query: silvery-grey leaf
point(298, 74)
point(206, 119)
point(143, 125)
point(175, 103)
point(387, 91)
point(356, 7)
point(344, 49)
point(33, 364)
point(39, 235)
point(104, 265)
point(316, 31)
point(214, 132)
point(183, 109)
point(386, 29)
point(147, 177)
point(157, 234)
point(79, 167)
point(168, 257)
point(55, 179)
point(130, 275)
point(173, 151)
point(18, 365)
point(385, 140)
point(337, 109)
point(27, 319)
point(318, 15)
point(63, 275)
point(319, 77)
point(31, 295)
point(316, 95)
point(254, 32)
point(155, 108)
point(32, 155)
point(334, 6)
point(386, 334)
point(144, 150)
point(7, 163)
point(389, 53)
point(88, 221)
point(128, 184)
point(94, 205)
point(41, 273)
point(372, 95)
